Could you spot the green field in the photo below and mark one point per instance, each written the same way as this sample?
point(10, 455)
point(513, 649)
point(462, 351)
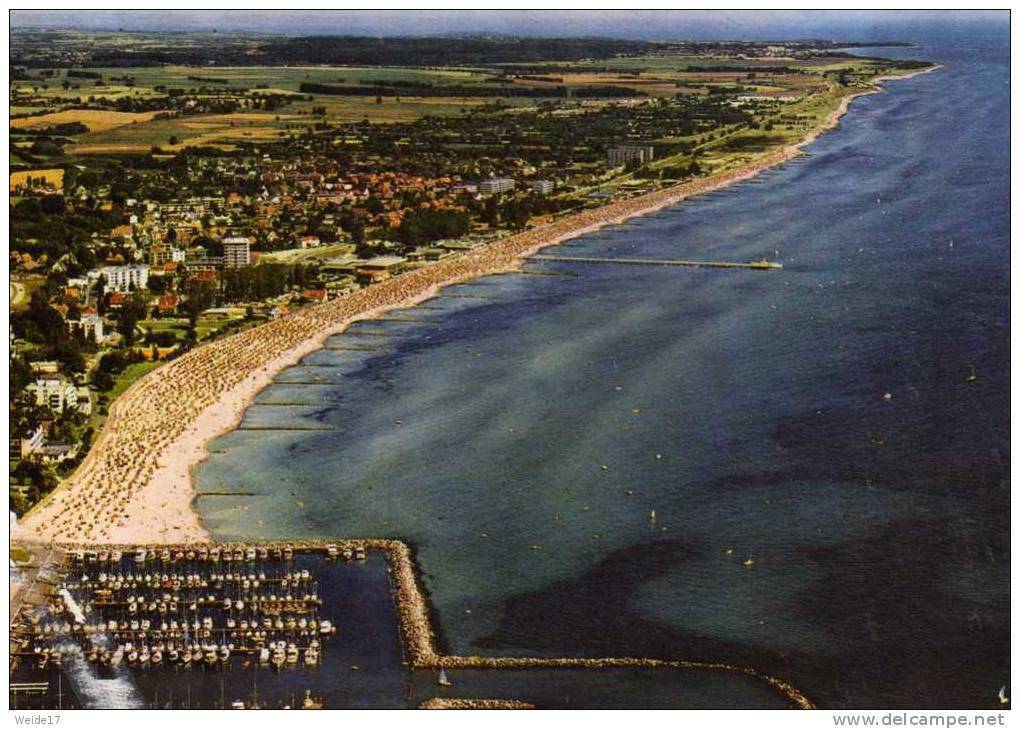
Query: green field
point(654, 75)
point(286, 78)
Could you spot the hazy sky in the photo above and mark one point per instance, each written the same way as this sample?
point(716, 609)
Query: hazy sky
point(648, 24)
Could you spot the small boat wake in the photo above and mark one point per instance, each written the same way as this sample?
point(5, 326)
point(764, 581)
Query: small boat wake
point(73, 607)
point(96, 692)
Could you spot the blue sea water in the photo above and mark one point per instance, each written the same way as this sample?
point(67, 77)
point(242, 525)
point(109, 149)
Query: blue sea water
point(844, 422)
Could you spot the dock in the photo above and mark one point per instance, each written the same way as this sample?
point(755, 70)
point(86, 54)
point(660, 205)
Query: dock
point(755, 265)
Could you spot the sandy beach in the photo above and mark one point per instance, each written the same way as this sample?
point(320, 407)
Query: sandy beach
point(135, 485)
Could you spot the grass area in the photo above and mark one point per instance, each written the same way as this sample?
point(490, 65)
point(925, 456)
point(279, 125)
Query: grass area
point(18, 110)
point(132, 372)
point(226, 129)
point(405, 109)
point(299, 255)
point(205, 328)
point(285, 78)
point(21, 290)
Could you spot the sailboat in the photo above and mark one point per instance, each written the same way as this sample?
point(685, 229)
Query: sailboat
point(749, 562)
point(442, 680)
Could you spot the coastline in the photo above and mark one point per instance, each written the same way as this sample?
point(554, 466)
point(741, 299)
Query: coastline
point(139, 476)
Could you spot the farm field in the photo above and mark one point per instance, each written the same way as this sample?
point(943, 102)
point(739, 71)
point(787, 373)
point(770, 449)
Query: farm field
point(285, 78)
point(97, 120)
point(187, 131)
point(54, 178)
point(121, 132)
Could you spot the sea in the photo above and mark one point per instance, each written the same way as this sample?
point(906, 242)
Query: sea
point(802, 471)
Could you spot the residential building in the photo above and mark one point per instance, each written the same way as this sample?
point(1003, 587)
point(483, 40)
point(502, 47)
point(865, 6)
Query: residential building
point(125, 278)
point(167, 304)
point(90, 326)
point(84, 405)
point(163, 252)
point(542, 187)
point(236, 252)
point(55, 392)
point(619, 156)
point(496, 185)
point(44, 367)
point(462, 187)
point(27, 443)
point(57, 452)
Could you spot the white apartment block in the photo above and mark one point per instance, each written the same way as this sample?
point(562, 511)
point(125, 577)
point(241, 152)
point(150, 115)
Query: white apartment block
point(90, 326)
point(236, 252)
point(123, 278)
point(54, 392)
point(496, 185)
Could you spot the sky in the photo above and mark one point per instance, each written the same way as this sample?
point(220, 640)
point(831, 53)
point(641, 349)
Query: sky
point(638, 24)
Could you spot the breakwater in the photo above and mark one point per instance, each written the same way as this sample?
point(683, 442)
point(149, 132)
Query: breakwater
point(444, 703)
point(233, 561)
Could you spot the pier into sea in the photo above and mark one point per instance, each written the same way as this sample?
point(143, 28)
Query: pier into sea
point(303, 625)
point(761, 265)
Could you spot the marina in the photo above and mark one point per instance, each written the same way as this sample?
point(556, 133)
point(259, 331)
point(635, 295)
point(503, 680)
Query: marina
point(260, 616)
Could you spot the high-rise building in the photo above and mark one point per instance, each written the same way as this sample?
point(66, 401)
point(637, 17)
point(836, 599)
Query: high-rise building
point(619, 156)
point(236, 252)
point(496, 185)
point(125, 278)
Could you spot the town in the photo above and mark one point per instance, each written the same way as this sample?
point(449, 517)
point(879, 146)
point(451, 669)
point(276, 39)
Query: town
point(124, 257)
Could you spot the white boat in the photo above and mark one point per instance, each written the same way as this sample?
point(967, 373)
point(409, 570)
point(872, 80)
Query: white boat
point(442, 679)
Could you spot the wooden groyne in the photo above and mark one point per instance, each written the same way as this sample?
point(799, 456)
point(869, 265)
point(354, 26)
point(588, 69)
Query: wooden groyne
point(754, 265)
point(349, 348)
